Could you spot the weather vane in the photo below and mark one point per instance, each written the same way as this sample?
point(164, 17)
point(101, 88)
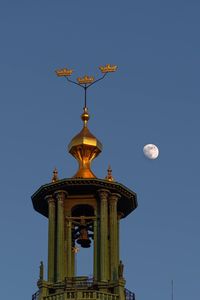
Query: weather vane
point(86, 81)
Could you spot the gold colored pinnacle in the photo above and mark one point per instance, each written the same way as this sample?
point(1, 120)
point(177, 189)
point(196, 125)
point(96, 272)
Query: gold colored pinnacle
point(108, 68)
point(85, 116)
point(85, 147)
point(109, 176)
point(55, 175)
point(64, 72)
point(85, 80)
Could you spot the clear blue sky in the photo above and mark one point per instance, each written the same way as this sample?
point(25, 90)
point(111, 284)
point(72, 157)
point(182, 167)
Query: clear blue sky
point(153, 98)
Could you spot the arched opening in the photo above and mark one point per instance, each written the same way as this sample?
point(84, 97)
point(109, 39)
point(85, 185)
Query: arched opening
point(82, 210)
point(82, 238)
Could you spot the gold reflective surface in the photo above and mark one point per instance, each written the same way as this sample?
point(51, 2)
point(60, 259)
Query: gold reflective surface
point(108, 68)
point(85, 147)
point(55, 175)
point(86, 79)
point(64, 72)
point(109, 176)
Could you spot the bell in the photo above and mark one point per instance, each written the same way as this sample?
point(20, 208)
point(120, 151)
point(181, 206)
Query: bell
point(83, 239)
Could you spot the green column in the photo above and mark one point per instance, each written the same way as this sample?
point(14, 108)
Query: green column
point(69, 248)
point(119, 215)
point(51, 238)
point(113, 236)
point(60, 196)
point(73, 257)
point(104, 266)
point(96, 252)
point(73, 271)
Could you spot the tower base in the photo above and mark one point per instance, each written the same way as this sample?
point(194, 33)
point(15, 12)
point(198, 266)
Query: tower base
point(82, 288)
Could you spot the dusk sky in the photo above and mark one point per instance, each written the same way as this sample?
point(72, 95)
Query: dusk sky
point(154, 97)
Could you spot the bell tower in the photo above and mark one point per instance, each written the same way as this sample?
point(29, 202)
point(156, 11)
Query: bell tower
point(83, 211)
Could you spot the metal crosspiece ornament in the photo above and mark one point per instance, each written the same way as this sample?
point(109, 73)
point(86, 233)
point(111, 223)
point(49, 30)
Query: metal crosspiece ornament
point(85, 147)
point(86, 81)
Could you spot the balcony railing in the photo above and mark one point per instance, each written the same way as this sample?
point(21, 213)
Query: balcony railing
point(35, 296)
point(129, 295)
point(84, 295)
point(79, 282)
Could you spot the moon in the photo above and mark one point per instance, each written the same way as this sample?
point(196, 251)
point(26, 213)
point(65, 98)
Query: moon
point(151, 151)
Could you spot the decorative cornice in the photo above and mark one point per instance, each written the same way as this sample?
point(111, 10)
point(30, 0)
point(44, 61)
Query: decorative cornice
point(103, 194)
point(48, 198)
point(114, 197)
point(81, 182)
point(60, 195)
point(79, 186)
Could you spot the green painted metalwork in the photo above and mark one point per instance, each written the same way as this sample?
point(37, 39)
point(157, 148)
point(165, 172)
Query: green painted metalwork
point(101, 204)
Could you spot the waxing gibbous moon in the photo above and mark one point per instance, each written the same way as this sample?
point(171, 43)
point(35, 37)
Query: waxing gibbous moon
point(151, 151)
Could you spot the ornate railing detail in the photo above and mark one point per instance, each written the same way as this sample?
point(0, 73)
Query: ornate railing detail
point(85, 295)
point(78, 282)
point(35, 296)
point(82, 290)
point(129, 295)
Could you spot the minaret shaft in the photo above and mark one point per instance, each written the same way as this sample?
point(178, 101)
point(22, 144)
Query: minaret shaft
point(51, 239)
point(114, 262)
point(60, 197)
point(104, 270)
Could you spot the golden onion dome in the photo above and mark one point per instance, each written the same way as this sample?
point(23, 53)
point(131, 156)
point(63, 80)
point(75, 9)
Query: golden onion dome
point(85, 147)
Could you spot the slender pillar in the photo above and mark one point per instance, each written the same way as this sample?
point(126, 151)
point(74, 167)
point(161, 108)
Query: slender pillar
point(73, 258)
point(113, 236)
point(69, 248)
point(60, 196)
point(104, 266)
point(73, 266)
point(51, 238)
point(95, 254)
point(119, 216)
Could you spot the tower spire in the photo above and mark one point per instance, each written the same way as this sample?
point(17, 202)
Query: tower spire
point(84, 211)
point(85, 146)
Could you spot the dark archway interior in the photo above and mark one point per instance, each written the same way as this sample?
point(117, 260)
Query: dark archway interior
point(82, 237)
point(82, 210)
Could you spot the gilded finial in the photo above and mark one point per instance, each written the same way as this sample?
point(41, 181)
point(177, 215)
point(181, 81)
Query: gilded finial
point(108, 68)
point(85, 116)
point(85, 80)
point(64, 72)
point(85, 147)
point(109, 176)
point(55, 175)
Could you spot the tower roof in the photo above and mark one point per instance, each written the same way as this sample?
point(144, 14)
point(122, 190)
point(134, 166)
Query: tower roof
point(75, 186)
point(85, 147)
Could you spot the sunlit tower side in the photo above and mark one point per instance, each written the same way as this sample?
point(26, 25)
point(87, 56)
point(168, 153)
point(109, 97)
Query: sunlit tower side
point(84, 210)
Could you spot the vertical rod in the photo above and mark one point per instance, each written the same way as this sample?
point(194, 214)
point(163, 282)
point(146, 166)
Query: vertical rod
point(95, 251)
point(104, 267)
point(73, 256)
point(113, 236)
point(69, 248)
point(51, 238)
point(60, 195)
point(118, 238)
point(85, 103)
